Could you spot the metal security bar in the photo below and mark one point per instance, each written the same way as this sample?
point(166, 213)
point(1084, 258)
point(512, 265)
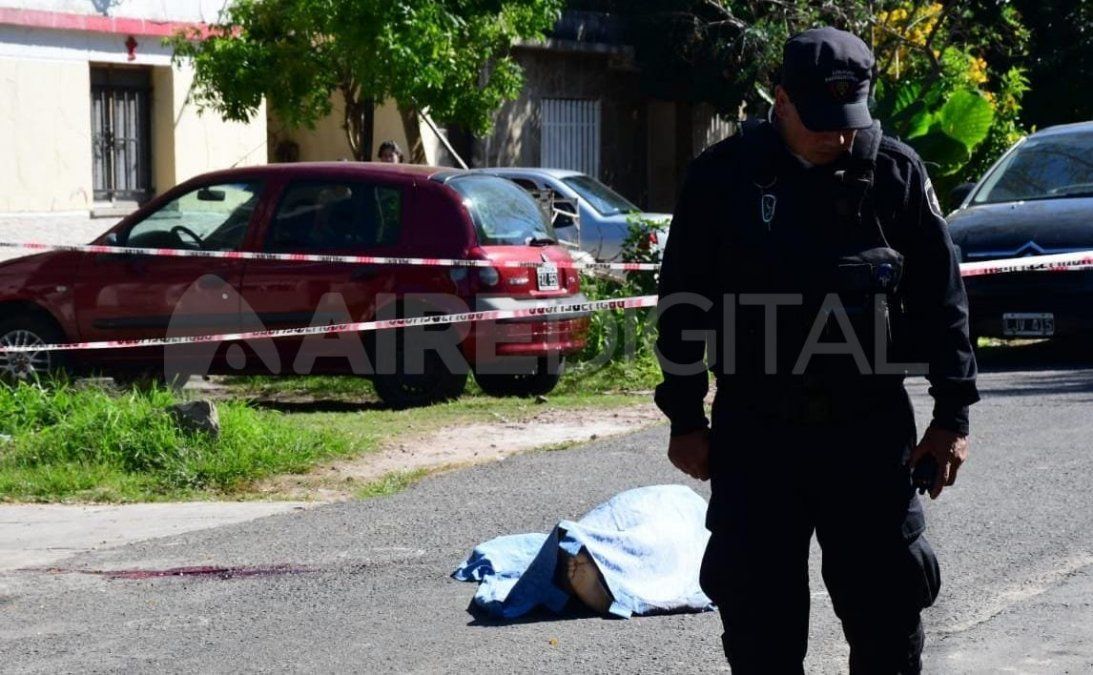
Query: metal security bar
point(120, 134)
point(570, 135)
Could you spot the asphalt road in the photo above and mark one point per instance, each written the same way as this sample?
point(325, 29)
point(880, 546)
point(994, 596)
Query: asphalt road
point(367, 589)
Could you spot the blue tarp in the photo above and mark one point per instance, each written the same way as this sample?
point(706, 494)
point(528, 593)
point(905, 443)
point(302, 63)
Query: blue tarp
point(647, 543)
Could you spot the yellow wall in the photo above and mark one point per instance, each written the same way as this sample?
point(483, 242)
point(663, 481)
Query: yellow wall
point(327, 142)
point(163, 129)
point(45, 135)
point(203, 141)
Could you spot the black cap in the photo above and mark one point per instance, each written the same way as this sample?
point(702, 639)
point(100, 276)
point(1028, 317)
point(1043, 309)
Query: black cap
point(827, 74)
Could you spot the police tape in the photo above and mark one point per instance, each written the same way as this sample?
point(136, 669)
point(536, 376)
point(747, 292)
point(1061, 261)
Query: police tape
point(1048, 263)
point(544, 311)
point(325, 258)
point(1056, 262)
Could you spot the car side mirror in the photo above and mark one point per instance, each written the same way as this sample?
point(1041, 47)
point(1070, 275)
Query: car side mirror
point(960, 193)
point(563, 221)
point(111, 239)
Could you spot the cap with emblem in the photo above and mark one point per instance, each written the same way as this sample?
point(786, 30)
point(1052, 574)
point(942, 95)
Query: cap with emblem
point(827, 74)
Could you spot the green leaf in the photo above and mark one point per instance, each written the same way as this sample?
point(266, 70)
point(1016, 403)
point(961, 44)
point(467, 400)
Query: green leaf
point(907, 94)
point(967, 117)
point(913, 120)
point(941, 150)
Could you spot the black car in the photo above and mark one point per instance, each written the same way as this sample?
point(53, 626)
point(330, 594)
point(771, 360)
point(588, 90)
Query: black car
point(1036, 200)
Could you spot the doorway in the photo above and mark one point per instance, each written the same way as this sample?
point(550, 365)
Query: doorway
point(121, 133)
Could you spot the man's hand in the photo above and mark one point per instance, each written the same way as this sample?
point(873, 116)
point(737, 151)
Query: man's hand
point(690, 453)
point(948, 448)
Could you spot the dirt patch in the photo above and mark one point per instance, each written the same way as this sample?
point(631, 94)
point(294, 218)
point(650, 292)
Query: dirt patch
point(462, 446)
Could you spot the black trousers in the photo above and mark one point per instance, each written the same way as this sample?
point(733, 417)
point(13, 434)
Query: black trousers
point(775, 483)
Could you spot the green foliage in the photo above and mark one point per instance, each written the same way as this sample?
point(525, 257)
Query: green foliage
point(447, 56)
point(619, 354)
point(718, 51)
point(954, 64)
point(1060, 61)
point(951, 70)
point(943, 127)
point(88, 443)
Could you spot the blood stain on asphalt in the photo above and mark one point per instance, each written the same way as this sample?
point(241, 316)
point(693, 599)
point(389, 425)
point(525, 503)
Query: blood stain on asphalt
point(204, 571)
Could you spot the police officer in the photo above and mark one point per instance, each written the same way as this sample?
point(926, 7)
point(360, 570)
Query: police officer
point(810, 266)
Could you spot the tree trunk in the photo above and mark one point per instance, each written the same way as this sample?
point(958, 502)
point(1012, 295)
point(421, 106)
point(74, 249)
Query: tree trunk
point(415, 151)
point(360, 117)
point(368, 130)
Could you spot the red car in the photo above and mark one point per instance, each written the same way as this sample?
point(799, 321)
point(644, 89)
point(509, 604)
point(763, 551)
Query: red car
point(325, 208)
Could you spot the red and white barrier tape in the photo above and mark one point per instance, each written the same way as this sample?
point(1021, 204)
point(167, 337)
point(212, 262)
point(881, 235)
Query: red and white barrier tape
point(359, 327)
point(1056, 262)
point(314, 257)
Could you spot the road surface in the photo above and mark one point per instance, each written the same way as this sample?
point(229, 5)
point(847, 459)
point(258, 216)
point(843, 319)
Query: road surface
point(363, 586)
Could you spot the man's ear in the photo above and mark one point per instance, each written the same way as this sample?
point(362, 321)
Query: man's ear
point(781, 101)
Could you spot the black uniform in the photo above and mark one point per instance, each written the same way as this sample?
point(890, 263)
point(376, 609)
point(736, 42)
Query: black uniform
point(821, 444)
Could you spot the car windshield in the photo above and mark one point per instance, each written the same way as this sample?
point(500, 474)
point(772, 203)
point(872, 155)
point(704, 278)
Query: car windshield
point(599, 196)
point(503, 212)
point(1053, 167)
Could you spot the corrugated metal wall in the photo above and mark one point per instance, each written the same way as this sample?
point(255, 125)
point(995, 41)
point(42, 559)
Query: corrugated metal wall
point(570, 137)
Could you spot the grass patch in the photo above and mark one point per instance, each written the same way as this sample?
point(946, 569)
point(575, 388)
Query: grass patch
point(90, 444)
point(369, 428)
point(640, 374)
point(87, 443)
point(390, 484)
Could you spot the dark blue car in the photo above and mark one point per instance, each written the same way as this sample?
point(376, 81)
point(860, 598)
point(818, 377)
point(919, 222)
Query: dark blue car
point(1036, 200)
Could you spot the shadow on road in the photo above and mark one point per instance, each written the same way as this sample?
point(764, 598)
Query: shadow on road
point(1046, 368)
point(573, 610)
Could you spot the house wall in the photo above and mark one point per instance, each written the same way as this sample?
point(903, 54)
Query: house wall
point(45, 130)
point(557, 73)
point(45, 117)
point(205, 142)
point(151, 10)
point(327, 142)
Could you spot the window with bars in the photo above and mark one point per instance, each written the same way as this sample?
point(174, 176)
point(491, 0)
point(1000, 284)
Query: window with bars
point(570, 135)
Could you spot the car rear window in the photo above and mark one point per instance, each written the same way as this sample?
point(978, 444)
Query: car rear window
point(602, 198)
point(503, 212)
point(1052, 167)
point(316, 215)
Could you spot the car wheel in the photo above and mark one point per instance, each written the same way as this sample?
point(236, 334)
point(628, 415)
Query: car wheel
point(437, 383)
point(29, 331)
point(540, 382)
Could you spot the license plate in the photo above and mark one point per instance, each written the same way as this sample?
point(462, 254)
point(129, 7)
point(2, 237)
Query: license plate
point(1019, 324)
point(548, 277)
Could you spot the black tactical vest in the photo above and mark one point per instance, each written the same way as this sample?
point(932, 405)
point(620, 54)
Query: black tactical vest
point(812, 240)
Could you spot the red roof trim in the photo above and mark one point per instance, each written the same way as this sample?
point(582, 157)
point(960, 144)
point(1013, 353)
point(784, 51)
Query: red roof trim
point(93, 23)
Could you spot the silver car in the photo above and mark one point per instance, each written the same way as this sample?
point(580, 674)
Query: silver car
point(604, 214)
